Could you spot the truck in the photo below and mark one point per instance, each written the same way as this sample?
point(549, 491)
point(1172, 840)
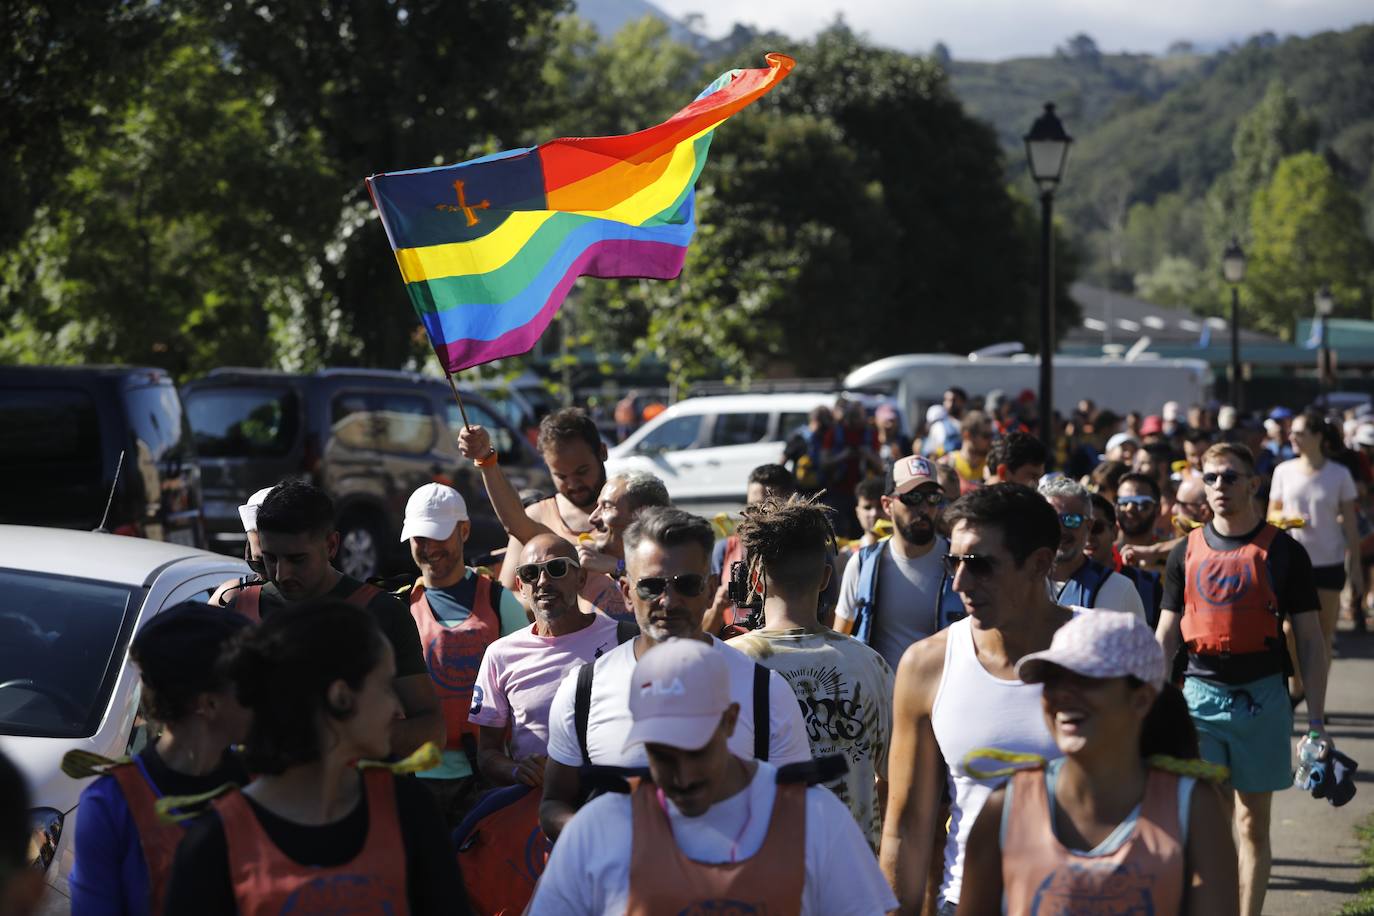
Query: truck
point(917, 380)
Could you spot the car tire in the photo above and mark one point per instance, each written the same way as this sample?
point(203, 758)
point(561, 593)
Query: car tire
point(360, 548)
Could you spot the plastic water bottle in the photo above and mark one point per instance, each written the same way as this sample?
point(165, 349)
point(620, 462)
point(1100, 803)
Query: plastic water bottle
point(1310, 770)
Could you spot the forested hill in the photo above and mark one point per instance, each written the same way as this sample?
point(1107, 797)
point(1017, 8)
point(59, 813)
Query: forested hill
point(1171, 150)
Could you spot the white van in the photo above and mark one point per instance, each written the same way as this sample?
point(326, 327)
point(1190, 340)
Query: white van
point(920, 379)
point(704, 448)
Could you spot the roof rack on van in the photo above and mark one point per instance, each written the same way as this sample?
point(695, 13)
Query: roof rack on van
point(766, 386)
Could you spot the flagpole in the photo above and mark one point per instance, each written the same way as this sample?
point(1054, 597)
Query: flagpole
point(459, 398)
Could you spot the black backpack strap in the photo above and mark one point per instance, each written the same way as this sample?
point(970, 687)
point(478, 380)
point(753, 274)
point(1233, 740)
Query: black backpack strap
point(813, 772)
point(625, 630)
point(582, 708)
point(762, 718)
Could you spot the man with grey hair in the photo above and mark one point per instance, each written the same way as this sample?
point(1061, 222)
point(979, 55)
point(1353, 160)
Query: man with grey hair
point(669, 584)
point(621, 499)
point(1075, 580)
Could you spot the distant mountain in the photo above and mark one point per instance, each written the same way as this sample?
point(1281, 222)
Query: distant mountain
point(609, 16)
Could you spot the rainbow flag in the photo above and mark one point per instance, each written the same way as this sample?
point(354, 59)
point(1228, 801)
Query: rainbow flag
point(489, 248)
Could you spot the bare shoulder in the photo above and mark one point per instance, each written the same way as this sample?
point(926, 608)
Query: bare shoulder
point(919, 671)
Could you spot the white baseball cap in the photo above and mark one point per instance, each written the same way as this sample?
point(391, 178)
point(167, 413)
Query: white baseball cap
point(1100, 644)
point(1121, 439)
point(433, 511)
point(248, 512)
point(678, 692)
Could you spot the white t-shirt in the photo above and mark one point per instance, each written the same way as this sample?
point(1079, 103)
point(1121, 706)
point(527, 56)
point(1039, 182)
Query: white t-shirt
point(1317, 499)
point(589, 871)
point(520, 674)
point(908, 594)
point(845, 692)
point(1116, 594)
point(608, 719)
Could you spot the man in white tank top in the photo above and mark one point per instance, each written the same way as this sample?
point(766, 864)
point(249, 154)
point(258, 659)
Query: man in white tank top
point(957, 690)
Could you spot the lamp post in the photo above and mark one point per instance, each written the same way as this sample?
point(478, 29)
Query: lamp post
point(1233, 269)
point(1325, 304)
point(1047, 150)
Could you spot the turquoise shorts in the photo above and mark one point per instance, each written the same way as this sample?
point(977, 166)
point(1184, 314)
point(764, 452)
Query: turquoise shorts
point(1246, 727)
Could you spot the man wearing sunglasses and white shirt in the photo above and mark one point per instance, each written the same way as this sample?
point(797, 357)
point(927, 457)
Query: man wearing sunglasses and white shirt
point(669, 584)
point(893, 593)
point(1075, 579)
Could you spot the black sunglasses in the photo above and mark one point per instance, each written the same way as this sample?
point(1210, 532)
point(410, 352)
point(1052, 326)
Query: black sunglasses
point(557, 568)
point(1098, 527)
point(1226, 477)
point(915, 499)
point(978, 565)
point(688, 585)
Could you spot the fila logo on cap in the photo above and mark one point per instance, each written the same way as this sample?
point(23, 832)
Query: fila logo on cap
point(661, 689)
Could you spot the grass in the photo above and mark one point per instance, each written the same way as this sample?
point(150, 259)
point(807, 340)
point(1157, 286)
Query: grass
point(1363, 905)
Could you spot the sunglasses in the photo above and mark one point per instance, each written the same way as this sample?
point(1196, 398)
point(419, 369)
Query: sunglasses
point(915, 499)
point(1098, 527)
point(1143, 503)
point(1227, 478)
point(556, 568)
point(688, 585)
point(977, 565)
point(1072, 520)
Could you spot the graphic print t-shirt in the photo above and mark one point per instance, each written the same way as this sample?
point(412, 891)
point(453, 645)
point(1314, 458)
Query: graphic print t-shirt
point(845, 692)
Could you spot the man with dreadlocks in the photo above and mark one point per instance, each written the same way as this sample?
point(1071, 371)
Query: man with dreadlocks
point(843, 686)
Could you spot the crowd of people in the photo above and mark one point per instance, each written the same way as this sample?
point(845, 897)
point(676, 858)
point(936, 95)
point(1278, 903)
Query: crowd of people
point(967, 671)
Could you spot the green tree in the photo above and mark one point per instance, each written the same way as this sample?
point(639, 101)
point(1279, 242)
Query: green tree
point(1307, 230)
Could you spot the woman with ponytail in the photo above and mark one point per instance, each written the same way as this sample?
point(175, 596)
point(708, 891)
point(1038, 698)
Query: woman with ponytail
point(124, 850)
point(1127, 820)
point(317, 831)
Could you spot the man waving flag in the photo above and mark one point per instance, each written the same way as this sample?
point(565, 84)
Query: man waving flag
point(489, 248)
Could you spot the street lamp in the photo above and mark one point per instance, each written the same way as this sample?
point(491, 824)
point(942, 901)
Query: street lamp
point(1233, 269)
point(1325, 304)
point(1047, 151)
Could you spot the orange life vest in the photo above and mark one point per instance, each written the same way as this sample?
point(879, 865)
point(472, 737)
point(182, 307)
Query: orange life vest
point(452, 654)
point(1229, 606)
point(158, 838)
point(502, 851)
point(1041, 875)
point(249, 601)
point(601, 591)
point(664, 880)
point(266, 881)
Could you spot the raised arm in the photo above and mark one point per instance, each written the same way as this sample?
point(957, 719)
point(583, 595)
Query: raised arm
point(475, 443)
point(913, 798)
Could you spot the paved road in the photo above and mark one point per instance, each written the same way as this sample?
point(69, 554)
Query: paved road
point(1316, 867)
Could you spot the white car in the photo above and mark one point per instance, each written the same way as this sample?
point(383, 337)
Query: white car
point(704, 448)
point(70, 602)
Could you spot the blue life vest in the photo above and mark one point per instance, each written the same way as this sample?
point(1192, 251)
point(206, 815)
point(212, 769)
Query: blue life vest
point(1082, 589)
point(949, 607)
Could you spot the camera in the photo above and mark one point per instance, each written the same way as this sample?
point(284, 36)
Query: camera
point(743, 596)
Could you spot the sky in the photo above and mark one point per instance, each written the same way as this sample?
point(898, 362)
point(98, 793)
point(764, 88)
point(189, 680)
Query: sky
point(999, 29)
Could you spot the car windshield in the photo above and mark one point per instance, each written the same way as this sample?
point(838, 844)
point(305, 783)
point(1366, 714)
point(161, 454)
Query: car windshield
point(243, 422)
point(60, 639)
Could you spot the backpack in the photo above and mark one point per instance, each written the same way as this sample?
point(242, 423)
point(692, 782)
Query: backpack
point(948, 607)
point(502, 850)
point(1083, 588)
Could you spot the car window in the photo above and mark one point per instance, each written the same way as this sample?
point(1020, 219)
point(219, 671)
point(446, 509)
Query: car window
point(398, 423)
point(739, 428)
point(50, 449)
point(243, 422)
point(58, 642)
point(789, 424)
point(671, 435)
point(501, 438)
point(155, 414)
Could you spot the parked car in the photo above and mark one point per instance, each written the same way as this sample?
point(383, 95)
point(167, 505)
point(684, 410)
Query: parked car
point(368, 437)
point(704, 448)
point(73, 601)
point(65, 430)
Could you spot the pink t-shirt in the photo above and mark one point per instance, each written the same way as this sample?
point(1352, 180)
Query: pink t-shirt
point(520, 674)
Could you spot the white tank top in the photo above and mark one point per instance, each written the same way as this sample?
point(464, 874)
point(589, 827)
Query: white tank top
point(974, 710)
